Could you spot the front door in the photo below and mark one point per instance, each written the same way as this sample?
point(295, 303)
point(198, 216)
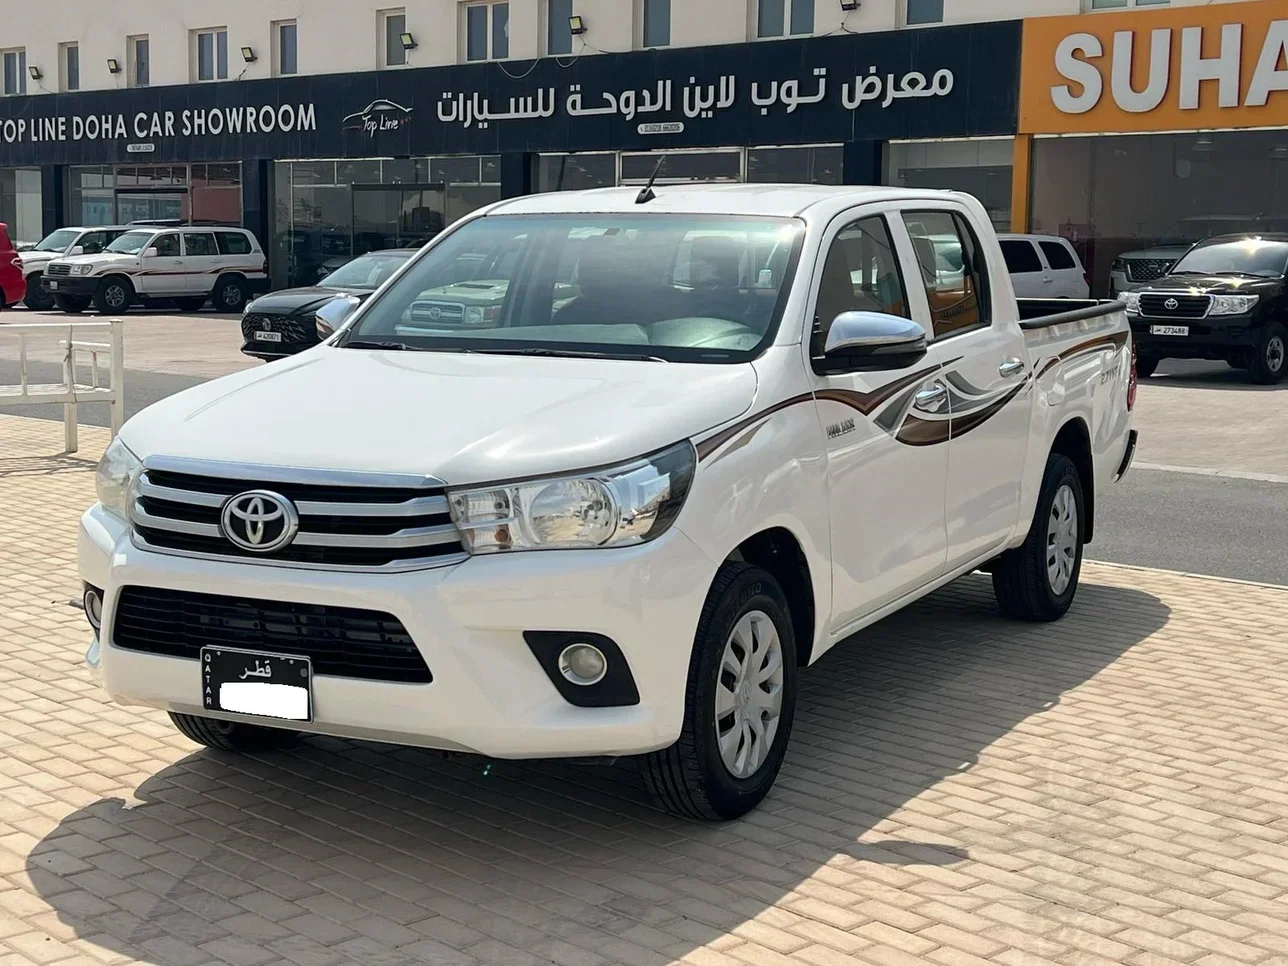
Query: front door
point(162, 273)
point(887, 483)
point(202, 261)
point(983, 356)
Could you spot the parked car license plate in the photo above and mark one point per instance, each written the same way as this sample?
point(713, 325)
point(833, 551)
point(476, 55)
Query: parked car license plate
point(53, 286)
point(268, 336)
point(1169, 330)
point(265, 685)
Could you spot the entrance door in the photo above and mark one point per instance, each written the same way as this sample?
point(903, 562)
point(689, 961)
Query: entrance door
point(396, 216)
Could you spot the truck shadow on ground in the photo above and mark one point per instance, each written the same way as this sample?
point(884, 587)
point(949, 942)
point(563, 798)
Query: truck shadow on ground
point(1206, 374)
point(347, 852)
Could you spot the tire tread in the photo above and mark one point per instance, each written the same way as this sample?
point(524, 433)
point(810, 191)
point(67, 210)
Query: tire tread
point(240, 737)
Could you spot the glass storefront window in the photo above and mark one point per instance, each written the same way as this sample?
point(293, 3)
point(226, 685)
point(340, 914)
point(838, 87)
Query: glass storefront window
point(796, 165)
point(683, 166)
point(981, 167)
point(107, 195)
point(1141, 200)
point(20, 205)
point(804, 164)
point(575, 172)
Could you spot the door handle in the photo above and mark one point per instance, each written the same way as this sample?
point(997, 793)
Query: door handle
point(932, 398)
point(1011, 367)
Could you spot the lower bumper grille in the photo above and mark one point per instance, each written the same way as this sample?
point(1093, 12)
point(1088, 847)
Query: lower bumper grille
point(340, 641)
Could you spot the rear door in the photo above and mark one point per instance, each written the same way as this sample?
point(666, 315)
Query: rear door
point(162, 273)
point(982, 350)
point(1069, 281)
point(202, 260)
point(1028, 273)
point(237, 254)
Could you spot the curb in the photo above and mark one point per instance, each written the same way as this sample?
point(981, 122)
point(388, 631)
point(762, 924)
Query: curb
point(1182, 573)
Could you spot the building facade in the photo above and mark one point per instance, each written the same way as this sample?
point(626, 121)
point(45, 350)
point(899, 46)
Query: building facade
point(334, 127)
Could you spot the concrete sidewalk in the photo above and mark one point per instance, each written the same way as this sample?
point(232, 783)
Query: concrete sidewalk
point(959, 790)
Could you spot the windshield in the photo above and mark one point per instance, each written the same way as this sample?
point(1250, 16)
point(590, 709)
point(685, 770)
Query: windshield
point(366, 271)
point(57, 242)
point(676, 287)
point(131, 243)
point(1250, 256)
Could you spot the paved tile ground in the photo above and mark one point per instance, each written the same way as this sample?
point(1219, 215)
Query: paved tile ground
point(959, 790)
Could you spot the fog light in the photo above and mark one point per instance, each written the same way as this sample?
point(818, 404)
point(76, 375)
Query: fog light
point(93, 602)
point(583, 664)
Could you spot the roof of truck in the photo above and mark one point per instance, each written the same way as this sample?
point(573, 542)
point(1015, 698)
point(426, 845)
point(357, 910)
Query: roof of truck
point(766, 200)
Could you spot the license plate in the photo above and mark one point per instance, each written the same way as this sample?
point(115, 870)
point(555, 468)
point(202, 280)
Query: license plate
point(264, 685)
point(268, 336)
point(1169, 330)
point(53, 286)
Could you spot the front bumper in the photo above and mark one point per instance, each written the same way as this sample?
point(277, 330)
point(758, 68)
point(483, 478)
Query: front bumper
point(489, 694)
point(83, 286)
point(1209, 338)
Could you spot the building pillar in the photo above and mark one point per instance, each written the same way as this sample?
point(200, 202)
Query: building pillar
point(53, 210)
point(516, 174)
point(1021, 173)
point(256, 176)
point(861, 162)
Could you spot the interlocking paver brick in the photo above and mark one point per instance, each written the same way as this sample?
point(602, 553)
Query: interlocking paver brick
point(1109, 789)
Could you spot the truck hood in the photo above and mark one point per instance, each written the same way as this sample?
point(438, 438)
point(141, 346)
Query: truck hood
point(1158, 251)
point(32, 260)
point(1218, 284)
point(101, 260)
point(461, 418)
point(306, 299)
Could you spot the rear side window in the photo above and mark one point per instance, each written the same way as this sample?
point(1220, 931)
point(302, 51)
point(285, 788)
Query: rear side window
point(167, 246)
point(952, 270)
point(1021, 256)
point(1058, 256)
point(200, 243)
point(233, 243)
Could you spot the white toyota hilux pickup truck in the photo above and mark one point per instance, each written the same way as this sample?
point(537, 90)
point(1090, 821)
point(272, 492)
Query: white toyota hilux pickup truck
point(706, 434)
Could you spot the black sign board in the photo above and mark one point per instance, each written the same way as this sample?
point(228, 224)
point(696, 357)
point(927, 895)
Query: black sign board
point(951, 81)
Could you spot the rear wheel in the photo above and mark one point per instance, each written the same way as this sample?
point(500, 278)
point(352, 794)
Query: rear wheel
point(37, 299)
point(1145, 366)
point(1269, 361)
point(191, 305)
point(113, 295)
point(232, 735)
point(229, 295)
point(1037, 581)
point(74, 304)
point(739, 702)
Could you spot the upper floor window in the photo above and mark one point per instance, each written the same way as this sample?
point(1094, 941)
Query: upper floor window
point(69, 66)
point(15, 71)
point(212, 53)
point(558, 29)
point(139, 61)
point(394, 23)
point(656, 27)
point(925, 11)
point(287, 50)
point(785, 18)
point(487, 31)
point(1119, 4)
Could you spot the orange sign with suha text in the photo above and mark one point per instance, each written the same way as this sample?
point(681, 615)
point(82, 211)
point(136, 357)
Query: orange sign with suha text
point(1220, 65)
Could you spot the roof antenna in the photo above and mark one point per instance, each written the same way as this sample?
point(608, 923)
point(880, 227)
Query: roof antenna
point(647, 193)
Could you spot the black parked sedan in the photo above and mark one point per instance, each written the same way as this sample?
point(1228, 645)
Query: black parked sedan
point(283, 323)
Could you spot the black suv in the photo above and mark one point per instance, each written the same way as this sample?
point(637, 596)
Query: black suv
point(1226, 299)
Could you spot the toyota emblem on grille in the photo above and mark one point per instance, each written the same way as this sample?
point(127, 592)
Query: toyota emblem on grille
point(259, 521)
point(435, 313)
point(1171, 305)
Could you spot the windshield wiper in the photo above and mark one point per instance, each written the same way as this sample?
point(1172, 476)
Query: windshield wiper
point(564, 354)
point(1225, 271)
point(391, 346)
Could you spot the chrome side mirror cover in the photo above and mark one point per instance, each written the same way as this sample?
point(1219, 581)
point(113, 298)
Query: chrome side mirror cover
point(871, 341)
point(334, 314)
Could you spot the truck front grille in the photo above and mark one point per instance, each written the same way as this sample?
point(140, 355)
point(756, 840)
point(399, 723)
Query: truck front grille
point(1161, 305)
point(1148, 269)
point(294, 330)
point(57, 270)
point(340, 641)
point(435, 312)
point(346, 521)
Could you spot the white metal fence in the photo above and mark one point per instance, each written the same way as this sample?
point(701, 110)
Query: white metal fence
point(76, 352)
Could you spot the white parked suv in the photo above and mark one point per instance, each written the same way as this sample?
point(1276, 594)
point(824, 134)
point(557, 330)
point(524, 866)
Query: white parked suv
point(1044, 267)
point(64, 241)
point(188, 265)
point(700, 437)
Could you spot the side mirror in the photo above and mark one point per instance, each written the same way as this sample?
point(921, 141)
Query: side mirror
point(150, 253)
point(76, 250)
point(872, 341)
point(334, 314)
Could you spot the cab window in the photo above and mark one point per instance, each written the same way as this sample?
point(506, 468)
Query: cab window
point(167, 246)
point(200, 243)
point(952, 271)
point(860, 274)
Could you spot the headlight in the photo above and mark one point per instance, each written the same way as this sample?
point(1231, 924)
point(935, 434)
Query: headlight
point(82, 269)
point(474, 315)
point(117, 472)
point(1233, 304)
point(1133, 302)
point(1118, 266)
point(625, 505)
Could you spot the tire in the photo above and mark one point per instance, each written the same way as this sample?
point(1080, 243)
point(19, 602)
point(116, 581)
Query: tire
point(1270, 360)
point(691, 778)
point(1145, 366)
point(191, 305)
point(37, 299)
point(1023, 582)
point(229, 295)
point(113, 295)
point(75, 304)
point(232, 735)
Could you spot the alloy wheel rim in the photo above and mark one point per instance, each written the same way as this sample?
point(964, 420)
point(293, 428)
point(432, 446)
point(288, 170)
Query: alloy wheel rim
point(1062, 540)
point(115, 296)
point(1275, 354)
point(749, 694)
point(230, 295)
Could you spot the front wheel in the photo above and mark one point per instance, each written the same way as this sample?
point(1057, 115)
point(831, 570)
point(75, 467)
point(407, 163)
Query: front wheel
point(37, 299)
point(113, 295)
point(1037, 581)
point(74, 304)
point(1145, 366)
point(1268, 361)
point(232, 735)
point(739, 702)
